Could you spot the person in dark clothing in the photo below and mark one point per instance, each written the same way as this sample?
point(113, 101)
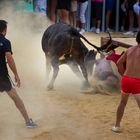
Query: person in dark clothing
point(109, 8)
point(63, 7)
point(97, 6)
point(123, 13)
point(131, 16)
point(51, 10)
point(6, 83)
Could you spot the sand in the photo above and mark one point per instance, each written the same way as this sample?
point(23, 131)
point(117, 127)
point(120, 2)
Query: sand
point(64, 113)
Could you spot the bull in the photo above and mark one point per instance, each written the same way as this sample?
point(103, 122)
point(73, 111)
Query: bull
point(62, 44)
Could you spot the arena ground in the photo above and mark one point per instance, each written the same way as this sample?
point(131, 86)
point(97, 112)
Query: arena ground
point(65, 113)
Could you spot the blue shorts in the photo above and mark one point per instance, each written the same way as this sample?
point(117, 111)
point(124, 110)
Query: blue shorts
point(110, 4)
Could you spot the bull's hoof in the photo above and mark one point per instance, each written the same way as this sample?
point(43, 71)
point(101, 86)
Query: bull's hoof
point(50, 87)
point(85, 86)
point(87, 91)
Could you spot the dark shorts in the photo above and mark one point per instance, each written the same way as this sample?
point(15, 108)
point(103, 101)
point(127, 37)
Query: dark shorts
point(64, 4)
point(5, 83)
point(97, 10)
point(130, 5)
point(110, 4)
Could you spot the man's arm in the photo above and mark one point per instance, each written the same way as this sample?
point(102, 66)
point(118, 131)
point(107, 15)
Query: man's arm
point(120, 64)
point(12, 66)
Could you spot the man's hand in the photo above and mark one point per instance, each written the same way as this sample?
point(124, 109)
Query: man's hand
point(17, 80)
point(12, 66)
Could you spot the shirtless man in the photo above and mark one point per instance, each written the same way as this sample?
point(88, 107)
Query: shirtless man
point(130, 82)
point(5, 81)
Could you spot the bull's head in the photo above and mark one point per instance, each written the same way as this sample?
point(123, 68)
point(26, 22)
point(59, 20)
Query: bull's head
point(109, 46)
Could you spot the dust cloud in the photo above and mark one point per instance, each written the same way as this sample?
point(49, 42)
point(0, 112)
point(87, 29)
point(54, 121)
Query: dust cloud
point(25, 30)
point(62, 114)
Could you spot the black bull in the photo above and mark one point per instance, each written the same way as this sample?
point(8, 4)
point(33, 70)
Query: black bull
point(61, 44)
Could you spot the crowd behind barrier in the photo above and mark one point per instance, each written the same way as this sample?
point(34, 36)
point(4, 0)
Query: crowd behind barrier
point(94, 13)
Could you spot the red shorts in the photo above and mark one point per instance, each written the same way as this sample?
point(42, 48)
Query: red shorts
point(130, 85)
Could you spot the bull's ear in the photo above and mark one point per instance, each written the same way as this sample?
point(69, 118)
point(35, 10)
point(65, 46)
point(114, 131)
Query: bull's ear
point(102, 55)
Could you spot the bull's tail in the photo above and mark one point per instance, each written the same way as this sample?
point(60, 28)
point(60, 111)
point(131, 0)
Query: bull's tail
point(97, 48)
point(74, 32)
point(48, 67)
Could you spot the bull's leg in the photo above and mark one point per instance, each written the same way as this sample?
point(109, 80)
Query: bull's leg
point(55, 65)
point(89, 67)
point(75, 69)
point(48, 67)
point(73, 65)
point(85, 84)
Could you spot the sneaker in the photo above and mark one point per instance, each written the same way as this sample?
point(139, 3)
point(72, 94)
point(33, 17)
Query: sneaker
point(116, 129)
point(129, 33)
point(82, 31)
point(93, 29)
point(97, 31)
point(31, 124)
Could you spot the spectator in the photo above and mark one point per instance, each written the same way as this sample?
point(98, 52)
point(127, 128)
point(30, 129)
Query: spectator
point(73, 13)
point(97, 15)
point(63, 7)
point(82, 6)
point(109, 8)
point(131, 17)
point(40, 6)
point(51, 10)
point(28, 5)
point(137, 11)
point(124, 9)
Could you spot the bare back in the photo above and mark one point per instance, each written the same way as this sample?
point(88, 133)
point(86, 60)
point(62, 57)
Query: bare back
point(132, 57)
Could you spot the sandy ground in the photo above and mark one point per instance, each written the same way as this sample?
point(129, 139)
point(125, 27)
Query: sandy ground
point(65, 113)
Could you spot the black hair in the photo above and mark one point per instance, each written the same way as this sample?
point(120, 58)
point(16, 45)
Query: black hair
point(138, 37)
point(3, 25)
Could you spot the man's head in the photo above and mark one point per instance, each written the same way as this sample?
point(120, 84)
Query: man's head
point(138, 37)
point(3, 27)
